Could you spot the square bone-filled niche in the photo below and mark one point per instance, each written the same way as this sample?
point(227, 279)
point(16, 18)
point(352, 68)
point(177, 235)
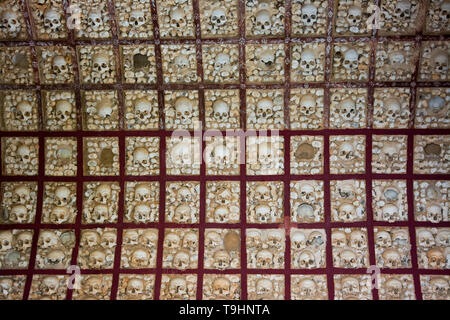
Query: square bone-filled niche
point(222, 109)
point(391, 108)
point(16, 66)
point(219, 19)
point(306, 108)
point(223, 201)
point(348, 200)
point(434, 61)
point(139, 248)
point(179, 63)
point(308, 62)
point(180, 249)
point(265, 109)
point(183, 156)
point(142, 156)
point(307, 201)
point(431, 200)
point(265, 155)
point(20, 156)
point(19, 201)
point(141, 201)
point(222, 249)
point(60, 202)
point(431, 154)
point(309, 18)
point(181, 109)
point(183, 202)
point(306, 154)
point(351, 61)
point(348, 108)
point(265, 202)
point(139, 64)
point(61, 156)
point(395, 61)
point(264, 18)
point(56, 65)
point(265, 248)
point(432, 108)
point(101, 156)
point(59, 110)
point(221, 63)
point(100, 202)
point(141, 110)
point(222, 155)
point(134, 19)
point(389, 153)
point(347, 154)
point(265, 63)
point(19, 110)
point(100, 110)
point(97, 64)
point(389, 200)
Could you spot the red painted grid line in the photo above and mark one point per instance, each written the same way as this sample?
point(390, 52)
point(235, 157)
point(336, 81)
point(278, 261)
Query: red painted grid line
point(243, 178)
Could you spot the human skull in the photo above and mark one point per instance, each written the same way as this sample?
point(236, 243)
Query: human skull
point(221, 111)
point(338, 239)
point(264, 259)
point(434, 213)
point(177, 16)
point(48, 239)
point(100, 63)
point(142, 192)
point(6, 239)
point(141, 157)
point(351, 59)
point(426, 239)
point(135, 287)
point(93, 285)
point(104, 108)
point(440, 62)
point(347, 151)
point(182, 153)
point(307, 191)
point(24, 111)
point(307, 61)
point(394, 288)
point(6, 285)
point(347, 212)
point(137, 18)
point(221, 155)
point(221, 286)
point(90, 238)
point(108, 239)
point(306, 260)
point(267, 59)
point(307, 288)
point(19, 214)
point(263, 19)
point(391, 150)
point(440, 287)
point(178, 287)
point(149, 238)
point(436, 259)
point(22, 194)
point(265, 153)
point(181, 260)
point(184, 109)
point(63, 110)
point(55, 257)
point(392, 108)
point(354, 16)
point(264, 286)
point(436, 104)
point(212, 239)
point(264, 108)
point(433, 192)
point(391, 258)
point(262, 192)
point(309, 15)
point(10, 22)
point(358, 239)
point(100, 213)
point(97, 259)
point(218, 17)
point(348, 259)
point(221, 214)
point(181, 61)
point(142, 213)
point(49, 285)
point(182, 213)
point(390, 212)
point(305, 211)
point(24, 241)
point(254, 238)
point(130, 237)
point(52, 19)
point(103, 193)
point(350, 286)
point(443, 238)
point(140, 258)
point(172, 241)
point(274, 238)
point(24, 153)
point(95, 20)
point(190, 241)
point(59, 65)
point(403, 9)
point(221, 259)
point(263, 213)
point(383, 239)
point(143, 109)
point(307, 105)
point(348, 109)
point(397, 58)
point(444, 11)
